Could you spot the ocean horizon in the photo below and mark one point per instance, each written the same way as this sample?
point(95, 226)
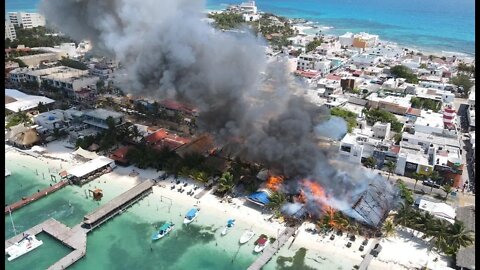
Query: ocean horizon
point(431, 25)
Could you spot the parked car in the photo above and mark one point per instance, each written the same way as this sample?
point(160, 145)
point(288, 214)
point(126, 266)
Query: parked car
point(349, 244)
point(376, 250)
point(365, 242)
point(430, 183)
point(332, 237)
point(361, 248)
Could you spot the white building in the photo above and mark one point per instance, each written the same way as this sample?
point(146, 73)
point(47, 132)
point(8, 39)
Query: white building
point(386, 51)
point(50, 120)
point(248, 7)
point(26, 19)
point(366, 59)
point(412, 63)
point(10, 31)
point(439, 210)
point(314, 62)
point(346, 40)
point(350, 149)
point(18, 101)
point(368, 39)
point(98, 118)
point(381, 130)
point(328, 48)
point(435, 85)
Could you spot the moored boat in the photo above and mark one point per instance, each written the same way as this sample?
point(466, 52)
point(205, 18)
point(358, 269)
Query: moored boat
point(191, 215)
point(25, 245)
point(261, 243)
point(246, 236)
point(229, 226)
point(164, 230)
point(7, 172)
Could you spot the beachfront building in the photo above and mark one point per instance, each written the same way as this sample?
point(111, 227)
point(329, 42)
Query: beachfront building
point(10, 31)
point(120, 156)
point(346, 40)
point(18, 101)
point(21, 136)
point(163, 138)
point(364, 40)
point(26, 19)
point(49, 121)
point(97, 118)
point(89, 171)
point(386, 51)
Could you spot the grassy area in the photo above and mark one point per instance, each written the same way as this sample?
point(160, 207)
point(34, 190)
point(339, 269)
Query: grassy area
point(348, 116)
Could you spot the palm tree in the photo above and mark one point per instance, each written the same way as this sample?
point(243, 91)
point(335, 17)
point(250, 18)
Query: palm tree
point(185, 172)
point(404, 215)
point(447, 189)
point(459, 236)
point(225, 183)
point(389, 228)
point(437, 229)
point(200, 176)
point(277, 199)
point(435, 176)
point(390, 168)
point(417, 177)
point(370, 162)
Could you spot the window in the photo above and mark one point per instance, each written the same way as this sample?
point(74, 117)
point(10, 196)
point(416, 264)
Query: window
point(346, 148)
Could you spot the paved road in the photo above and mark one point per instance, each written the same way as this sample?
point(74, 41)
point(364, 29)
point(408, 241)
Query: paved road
point(461, 199)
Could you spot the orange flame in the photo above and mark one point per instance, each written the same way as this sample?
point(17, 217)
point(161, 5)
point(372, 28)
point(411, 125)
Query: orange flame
point(274, 182)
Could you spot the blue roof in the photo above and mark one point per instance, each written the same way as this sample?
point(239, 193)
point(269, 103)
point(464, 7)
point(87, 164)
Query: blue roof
point(192, 213)
point(259, 197)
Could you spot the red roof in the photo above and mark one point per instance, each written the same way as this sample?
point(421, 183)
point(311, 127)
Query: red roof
point(157, 136)
point(308, 73)
point(414, 111)
point(120, 154)
point(395, 149)
point(176, 106)
point(334, 77)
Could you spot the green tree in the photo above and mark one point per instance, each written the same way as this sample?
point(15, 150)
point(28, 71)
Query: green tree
point(348, 116)
point(227, 20)
point(417, 177)
point(388, 228)
point(459, 236)
point(447, 189)
point(277, 199)
point(375, 115)
point(42, 107)
point(72, 63)
point(18, 118)
point(225, 183)
point(462, 80)
point(404, 215)
point(390, 168)
point(370, 162)
point(404, 72)
point(314, 44)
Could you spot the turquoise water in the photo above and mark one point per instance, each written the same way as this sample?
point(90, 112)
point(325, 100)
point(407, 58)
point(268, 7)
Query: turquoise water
point(447, 25)
point(124, 242)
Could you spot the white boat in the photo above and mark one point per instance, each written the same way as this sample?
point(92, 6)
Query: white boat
point(246, 236)
point(7, 172)
point(164, 230)
point(229, 226)
point(261, 243)
point(27, 244)
point(191, 215)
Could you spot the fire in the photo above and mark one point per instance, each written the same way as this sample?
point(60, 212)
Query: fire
point(274, 182)
point(301, 197)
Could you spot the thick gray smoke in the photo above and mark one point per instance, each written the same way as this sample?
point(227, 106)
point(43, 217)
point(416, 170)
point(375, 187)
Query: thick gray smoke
point(168, 51)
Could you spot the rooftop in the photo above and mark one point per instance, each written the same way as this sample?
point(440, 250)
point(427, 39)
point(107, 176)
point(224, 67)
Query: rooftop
point(103, 114)
point(23, 101)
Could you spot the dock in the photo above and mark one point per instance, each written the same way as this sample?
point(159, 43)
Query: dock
point(118, 204)
point(368, 257)
point(42, 193)
point(272, 249)
point(76, 237)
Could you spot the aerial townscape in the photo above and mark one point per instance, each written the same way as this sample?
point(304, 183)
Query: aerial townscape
point(179, 134)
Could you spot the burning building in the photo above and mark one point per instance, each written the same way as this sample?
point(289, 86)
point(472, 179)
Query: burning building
point(263, 194)
point(219, 74)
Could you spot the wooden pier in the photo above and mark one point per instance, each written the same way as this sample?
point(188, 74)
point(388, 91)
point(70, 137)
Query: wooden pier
point(76, 237)
point(271, 249)
point(118, 204)
point(368, 257)
point(42, 193)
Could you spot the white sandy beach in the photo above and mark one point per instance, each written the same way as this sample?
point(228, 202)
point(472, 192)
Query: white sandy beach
point(414, 255)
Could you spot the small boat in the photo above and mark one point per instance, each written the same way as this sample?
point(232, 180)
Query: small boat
point(164, 230)
point(230, 224)
point(246, 236)
point(261, 243)
point(26, 244)
point(7, 172)
point(191, 215)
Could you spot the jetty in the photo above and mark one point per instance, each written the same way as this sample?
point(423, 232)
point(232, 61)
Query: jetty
point(42, 193)
point(118, 204)
point(368, 257)
point(270, 250)
point(76, 237)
